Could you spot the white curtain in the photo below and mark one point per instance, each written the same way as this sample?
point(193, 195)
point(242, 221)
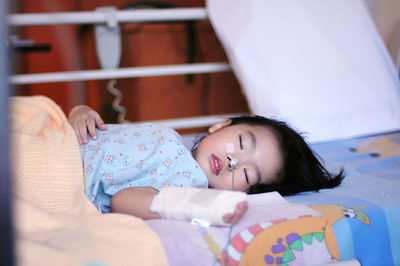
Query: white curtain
point(319, 65)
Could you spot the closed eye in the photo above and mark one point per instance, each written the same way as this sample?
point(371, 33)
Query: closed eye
point(246, 176)
point(240, 142)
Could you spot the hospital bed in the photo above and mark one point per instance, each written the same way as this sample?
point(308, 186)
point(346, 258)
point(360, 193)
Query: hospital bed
point(356, 223)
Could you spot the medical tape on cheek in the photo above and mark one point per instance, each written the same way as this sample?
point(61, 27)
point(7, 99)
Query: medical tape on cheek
point(230, 149)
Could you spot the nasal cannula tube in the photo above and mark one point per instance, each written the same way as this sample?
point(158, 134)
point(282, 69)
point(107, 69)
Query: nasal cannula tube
point(230, 149)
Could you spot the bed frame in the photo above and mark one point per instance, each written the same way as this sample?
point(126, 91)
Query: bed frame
point(112, 19)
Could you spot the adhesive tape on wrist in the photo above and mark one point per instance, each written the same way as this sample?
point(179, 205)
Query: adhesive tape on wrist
point(187, 203)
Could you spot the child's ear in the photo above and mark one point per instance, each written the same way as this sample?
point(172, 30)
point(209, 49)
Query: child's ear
point(219, 125)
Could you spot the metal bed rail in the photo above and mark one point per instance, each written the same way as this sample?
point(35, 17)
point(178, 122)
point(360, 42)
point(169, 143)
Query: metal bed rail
point(120, 16)
point(113, 18)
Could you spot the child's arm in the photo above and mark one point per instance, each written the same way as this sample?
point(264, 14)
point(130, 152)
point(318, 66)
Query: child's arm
point(83, 119)
point(136, 201)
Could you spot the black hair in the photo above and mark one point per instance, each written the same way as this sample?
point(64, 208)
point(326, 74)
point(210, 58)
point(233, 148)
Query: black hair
point(302, 170)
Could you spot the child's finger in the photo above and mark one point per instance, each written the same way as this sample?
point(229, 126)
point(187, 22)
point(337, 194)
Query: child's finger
point(240, 210)
point(99, 122)
point(83, 132)
point(234, 217)
point(91, 127)
point(75, 128)
point(227, 218)
point(244, 205)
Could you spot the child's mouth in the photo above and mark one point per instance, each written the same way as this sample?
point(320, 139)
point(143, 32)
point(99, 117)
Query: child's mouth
point(216, 164)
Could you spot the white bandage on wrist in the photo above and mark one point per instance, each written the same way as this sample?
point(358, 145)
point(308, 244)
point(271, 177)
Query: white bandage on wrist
point(184, 204)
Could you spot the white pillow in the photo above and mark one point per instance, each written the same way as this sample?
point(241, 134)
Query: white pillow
point(321, 66)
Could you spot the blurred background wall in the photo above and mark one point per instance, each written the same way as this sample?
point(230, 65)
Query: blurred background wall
point(73, 48)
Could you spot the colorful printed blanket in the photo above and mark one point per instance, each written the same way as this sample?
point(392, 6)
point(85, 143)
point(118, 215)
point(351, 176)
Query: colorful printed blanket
point(356, 222)
point(360, 219)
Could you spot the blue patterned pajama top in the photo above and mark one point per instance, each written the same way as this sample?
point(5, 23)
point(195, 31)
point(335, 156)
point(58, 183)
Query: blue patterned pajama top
point(137, 155)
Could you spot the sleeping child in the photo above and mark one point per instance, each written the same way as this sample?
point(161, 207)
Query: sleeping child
point(134, 168)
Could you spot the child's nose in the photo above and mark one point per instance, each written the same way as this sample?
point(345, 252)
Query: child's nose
point(231, 155)
point(232, 162)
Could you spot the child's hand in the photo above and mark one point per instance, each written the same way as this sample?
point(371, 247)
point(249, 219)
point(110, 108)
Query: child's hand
point(83, 119)
point(240, 210)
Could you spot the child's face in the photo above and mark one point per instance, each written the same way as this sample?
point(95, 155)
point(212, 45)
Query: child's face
point(255, 147)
